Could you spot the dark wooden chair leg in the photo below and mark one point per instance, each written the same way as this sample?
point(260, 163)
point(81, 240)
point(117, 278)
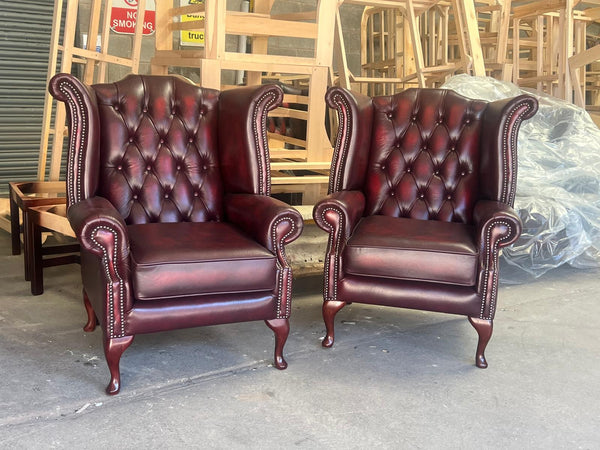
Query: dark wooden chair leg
point(484, 328)
point(36, 264)
point(92, 320)
point(27, 232)
point(281, 328)
point(15, 227)
point(113, 349)
point(330, 309)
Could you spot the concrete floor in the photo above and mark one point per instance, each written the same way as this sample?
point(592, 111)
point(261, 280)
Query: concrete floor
point(394, 379)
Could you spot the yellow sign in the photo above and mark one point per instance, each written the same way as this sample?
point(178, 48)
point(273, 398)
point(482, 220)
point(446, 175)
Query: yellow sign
point(192, 37)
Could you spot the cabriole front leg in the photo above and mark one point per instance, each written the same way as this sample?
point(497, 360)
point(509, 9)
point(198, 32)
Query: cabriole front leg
point(484, 328)
point(281, 328)
point(330, 309)
point(113, 349)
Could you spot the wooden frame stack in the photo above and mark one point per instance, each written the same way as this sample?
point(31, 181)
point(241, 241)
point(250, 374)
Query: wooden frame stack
point(421, 26)
point(95, 67)
point(314, 154)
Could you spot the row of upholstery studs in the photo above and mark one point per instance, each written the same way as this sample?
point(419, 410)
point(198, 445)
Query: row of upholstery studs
point(201, 112)
point(439, 121)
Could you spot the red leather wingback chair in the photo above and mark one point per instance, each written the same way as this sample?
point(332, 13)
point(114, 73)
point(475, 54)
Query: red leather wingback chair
point(421, 191)
point(168, 193)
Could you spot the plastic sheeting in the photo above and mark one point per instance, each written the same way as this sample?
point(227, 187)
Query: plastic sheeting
point(558, 183)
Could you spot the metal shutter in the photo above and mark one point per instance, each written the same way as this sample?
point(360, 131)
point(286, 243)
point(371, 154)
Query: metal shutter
point(25, 28)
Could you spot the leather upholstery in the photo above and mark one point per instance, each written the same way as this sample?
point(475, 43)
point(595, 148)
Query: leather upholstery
point(159, 162)
point(420, 250)
point(188, 259)
point(167, 187)
point(420, 202)
point(424, 158)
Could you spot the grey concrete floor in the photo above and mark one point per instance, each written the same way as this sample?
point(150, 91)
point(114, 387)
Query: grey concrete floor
point(394, 379)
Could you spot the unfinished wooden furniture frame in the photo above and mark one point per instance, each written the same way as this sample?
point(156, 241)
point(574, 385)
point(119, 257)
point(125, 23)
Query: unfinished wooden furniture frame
point(424, 40)
point(63, 47)
point(493, 21)
point(576, 63)
point(546, 33)
point(312, 154)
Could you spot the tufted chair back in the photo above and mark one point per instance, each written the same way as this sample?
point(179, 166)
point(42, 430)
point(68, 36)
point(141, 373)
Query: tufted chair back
point(424, 157)
point(159, 163)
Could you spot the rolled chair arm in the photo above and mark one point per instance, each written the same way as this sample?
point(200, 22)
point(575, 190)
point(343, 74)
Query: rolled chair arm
point(103, 233)
point(273, 224)
point(338, 214)
point(89, 217)
point(497, 225)
point(269, 221)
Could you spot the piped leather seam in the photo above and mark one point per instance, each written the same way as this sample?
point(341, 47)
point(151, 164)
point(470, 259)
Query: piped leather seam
point(494, 255)
point(105, 261)
point(75, 194)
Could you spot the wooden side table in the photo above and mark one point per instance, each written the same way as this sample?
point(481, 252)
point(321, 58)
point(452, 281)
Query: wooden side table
point(49, 217)
point(23, 197)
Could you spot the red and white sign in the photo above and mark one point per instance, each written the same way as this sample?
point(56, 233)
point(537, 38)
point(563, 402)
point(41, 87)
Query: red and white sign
point(123, 16)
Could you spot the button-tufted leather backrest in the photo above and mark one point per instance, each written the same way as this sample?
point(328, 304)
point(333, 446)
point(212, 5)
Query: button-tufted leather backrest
point(158, 150)
point(424, 158)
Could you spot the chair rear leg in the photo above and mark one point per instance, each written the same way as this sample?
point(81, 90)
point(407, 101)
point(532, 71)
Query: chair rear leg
point(92, 320)
point(281, 328)
point(484, 328)
point(113, 349)
point(330, 309)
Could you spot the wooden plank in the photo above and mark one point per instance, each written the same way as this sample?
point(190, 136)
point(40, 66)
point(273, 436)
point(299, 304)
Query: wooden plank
point(188, 9)
point(306, 179)
point(287, 153)
point(60, 113)
point(287, 139)
point(326, 11)
point(163, 39)
point(47, 116)
point(294, 165)
point(250, 25)
point(267, 63)
point(537, 8)
point(187, 26)
point(289, 112)
point(53, 217)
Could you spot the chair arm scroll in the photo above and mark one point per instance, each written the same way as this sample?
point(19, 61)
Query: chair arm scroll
point(338, 214)
point(497, 225)
point(269, 221)
point(103, 233)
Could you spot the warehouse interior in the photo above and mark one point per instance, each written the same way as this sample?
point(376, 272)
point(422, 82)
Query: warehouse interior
point(325, 245)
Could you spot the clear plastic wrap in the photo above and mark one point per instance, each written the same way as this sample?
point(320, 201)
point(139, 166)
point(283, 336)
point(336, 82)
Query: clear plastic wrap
point(558, 183)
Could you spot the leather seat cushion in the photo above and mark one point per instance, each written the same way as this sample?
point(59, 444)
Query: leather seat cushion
point(410, 249)
point(197, 258)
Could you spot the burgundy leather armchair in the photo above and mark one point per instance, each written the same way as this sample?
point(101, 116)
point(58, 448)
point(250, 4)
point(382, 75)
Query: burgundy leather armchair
point(420, 203)
point(168, 192)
